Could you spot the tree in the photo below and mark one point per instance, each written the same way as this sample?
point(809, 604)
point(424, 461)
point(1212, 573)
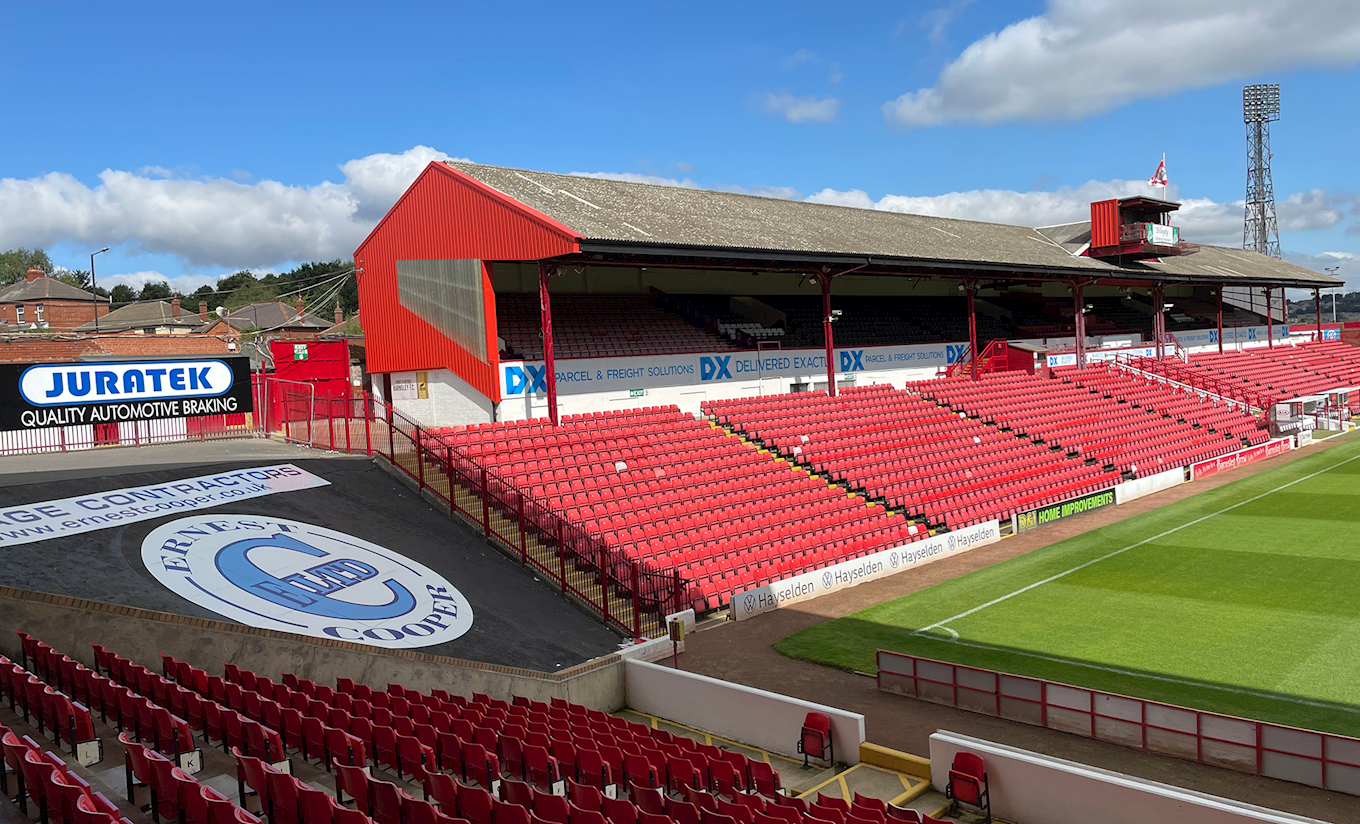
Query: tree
point(122, 293)
point(155, 291)
point(79, 278)
point(14, 264)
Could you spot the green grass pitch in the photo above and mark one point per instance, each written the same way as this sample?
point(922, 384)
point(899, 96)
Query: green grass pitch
point(1242, 600)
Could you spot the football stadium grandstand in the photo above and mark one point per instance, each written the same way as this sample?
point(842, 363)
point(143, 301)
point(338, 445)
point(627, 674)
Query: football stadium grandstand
point(610, 420)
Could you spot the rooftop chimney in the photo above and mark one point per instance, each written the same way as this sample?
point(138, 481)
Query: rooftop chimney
point(301, 310)
point(174, 308)
point(34, 273)
point(339, 314)
point(203, 311)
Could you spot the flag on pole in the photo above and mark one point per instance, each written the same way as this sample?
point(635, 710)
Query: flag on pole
point(1159, 177)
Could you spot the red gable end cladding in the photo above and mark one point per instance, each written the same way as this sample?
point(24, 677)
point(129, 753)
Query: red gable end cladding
point(446, 215)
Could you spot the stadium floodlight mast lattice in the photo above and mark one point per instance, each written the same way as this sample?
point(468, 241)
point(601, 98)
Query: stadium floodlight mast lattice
point(1260, 107)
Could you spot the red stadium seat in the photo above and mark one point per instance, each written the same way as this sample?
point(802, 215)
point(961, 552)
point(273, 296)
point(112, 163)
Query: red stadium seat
point(815, 739)
point(968, 784)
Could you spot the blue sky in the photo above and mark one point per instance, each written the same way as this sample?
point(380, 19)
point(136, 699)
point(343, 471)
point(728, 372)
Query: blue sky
point(197, 140)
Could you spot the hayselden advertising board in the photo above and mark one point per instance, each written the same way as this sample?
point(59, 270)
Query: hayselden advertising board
point(862, 570)
point(36, 395)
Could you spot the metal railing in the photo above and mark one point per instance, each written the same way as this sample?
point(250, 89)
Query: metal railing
point(81, 437)
point(625, 592)
point(1168, 371)
point(1258, 747)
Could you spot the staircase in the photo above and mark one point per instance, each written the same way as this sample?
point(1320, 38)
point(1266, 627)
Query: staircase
point(994, 358)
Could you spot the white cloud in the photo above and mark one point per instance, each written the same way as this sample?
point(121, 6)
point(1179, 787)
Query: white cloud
point(209, 221)
point(797, 58)
point(939, 19)
point(801, 108)
point(1083, 57)
point(1202, 220)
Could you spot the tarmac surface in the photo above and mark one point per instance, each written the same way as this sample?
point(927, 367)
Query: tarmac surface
point(518, 621)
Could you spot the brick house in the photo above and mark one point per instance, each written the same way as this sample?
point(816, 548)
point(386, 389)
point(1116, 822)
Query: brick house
point(278, 320)
point(54, 349)
point(149, 317)
point(39, 301)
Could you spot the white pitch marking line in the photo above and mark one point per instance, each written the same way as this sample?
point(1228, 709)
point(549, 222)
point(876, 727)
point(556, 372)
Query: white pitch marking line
point(1167, 678)
point(1079, 567)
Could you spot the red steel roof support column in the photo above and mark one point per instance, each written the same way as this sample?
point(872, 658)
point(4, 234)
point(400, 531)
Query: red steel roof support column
point(826, 334)
point(1079, 323)
point(1317, 304)
point(545, 312)
point(1220, 319)
point(971, 291)
point(1270, 320)
point(1159, 320)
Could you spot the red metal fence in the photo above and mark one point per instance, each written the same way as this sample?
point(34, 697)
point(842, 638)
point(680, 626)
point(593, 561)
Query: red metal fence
point(1288, 753)
point(626, 593)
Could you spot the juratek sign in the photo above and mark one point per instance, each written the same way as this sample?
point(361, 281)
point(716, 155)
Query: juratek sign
point(297, 577)
point(72, 394)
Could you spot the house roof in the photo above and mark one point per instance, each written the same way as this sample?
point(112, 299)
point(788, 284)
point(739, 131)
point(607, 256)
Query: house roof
point(142, 315)
point(622, 216)
point(54, 349)
point(43, 288)
point(273, 315)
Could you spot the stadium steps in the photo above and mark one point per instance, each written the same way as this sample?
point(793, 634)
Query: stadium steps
point(852, 492)
point(582, 586)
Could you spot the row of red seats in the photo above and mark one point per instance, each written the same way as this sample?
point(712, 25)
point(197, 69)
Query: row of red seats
point(1110, 431)
point(273, 722)
point(923, 459)
point(287, 800)
point(53, 712)
point(175, 794)
point(43, 777)
point(185, 709)
point(699, 464)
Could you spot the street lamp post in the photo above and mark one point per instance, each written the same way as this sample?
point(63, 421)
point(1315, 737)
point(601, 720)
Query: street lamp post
point(1332, 270)
point(94, 286)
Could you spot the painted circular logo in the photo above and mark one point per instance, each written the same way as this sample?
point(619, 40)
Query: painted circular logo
point(294, 577)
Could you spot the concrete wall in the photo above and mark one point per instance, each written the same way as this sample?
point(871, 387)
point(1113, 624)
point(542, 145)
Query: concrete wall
point(451, 400)
point(1028, 788)
point(71, 625)
point(1139, 487)
point(762, 719)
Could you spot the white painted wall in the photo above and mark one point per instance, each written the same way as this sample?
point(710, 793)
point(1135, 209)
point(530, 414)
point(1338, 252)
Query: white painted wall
point(1029, 788)
point(602, 384)
point(762, 719)
point(605, 384)
point(1138, 487)
point(452, 401)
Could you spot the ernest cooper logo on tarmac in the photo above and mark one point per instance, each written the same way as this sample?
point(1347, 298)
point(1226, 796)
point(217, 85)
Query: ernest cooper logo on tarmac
point(295, 577)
